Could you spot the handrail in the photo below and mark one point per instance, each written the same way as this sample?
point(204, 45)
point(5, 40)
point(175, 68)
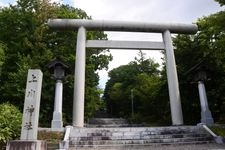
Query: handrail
point(217, 139)
point(209, 130)
point(67, 133)
point(64, 145)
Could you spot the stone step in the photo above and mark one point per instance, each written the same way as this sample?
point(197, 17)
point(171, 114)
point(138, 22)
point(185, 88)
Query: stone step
point(133, 146)
point(137, 137)
point(139, 141)
point(53, 146)
point(107, 121)
point(84, 137)
point(107, 125)
point(110, 123)
point(129, 134)
point(168, 129)
point(78, 132)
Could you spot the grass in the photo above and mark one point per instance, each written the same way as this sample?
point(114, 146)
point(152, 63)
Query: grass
point(218, 130)
point(51, 137)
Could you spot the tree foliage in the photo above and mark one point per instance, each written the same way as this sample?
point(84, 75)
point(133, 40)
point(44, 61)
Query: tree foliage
point(2, 55)
point(221, 2)
point(31, 44)
point(142, 79)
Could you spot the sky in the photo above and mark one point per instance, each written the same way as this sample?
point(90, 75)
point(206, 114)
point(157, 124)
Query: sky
point(166, 11)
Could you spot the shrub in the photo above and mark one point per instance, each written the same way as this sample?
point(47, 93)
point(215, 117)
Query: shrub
point(218, 130)
point(10, 122)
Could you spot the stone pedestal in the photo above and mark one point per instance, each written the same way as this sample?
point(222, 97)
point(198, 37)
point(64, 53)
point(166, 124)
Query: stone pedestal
point(206, 117)
point(57, 120)
point(26, 145)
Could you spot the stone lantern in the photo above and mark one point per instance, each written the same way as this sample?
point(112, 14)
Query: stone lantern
point(200, 77)
point(58, 69)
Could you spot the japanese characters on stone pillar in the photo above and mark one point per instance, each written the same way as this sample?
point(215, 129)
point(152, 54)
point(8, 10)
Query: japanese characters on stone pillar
point(31, 105)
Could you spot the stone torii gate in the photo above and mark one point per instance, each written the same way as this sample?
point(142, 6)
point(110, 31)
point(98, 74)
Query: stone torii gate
point(82, 43)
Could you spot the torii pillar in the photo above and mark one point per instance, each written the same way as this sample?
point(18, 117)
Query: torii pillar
point(79, 79)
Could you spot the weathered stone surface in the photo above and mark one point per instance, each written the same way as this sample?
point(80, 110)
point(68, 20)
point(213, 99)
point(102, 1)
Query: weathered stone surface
point(31, 105)
point(123, 137)
point(107, 122)
point(26, 145)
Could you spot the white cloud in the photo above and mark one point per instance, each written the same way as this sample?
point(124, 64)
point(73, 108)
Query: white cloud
point(2, 4)
point(56, 1)
point(148, 10)
point(5, 3)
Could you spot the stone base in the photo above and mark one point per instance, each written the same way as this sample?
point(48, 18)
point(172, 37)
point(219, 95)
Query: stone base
point(64, 145)
point(206, 117)
point(56, 124)
point(57, 120)
point(26, 145)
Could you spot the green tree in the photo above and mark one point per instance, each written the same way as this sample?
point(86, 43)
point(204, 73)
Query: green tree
point(120, 79)
point(31, 44)
point(145, 65)
point(221, 2)
point(2, 55)
point(142, 77)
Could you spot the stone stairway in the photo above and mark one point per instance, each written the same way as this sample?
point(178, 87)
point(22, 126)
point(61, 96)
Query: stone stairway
point(102, 138)
point(107, 122)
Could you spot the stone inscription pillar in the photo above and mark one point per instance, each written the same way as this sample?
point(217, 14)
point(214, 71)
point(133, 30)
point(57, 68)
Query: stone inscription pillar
point(28, 139)
point(174, 93)
point(79, 79)
point(206, 116)
point(31, 105)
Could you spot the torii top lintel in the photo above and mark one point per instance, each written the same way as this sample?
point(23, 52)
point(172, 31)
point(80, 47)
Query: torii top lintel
point(107, 25)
